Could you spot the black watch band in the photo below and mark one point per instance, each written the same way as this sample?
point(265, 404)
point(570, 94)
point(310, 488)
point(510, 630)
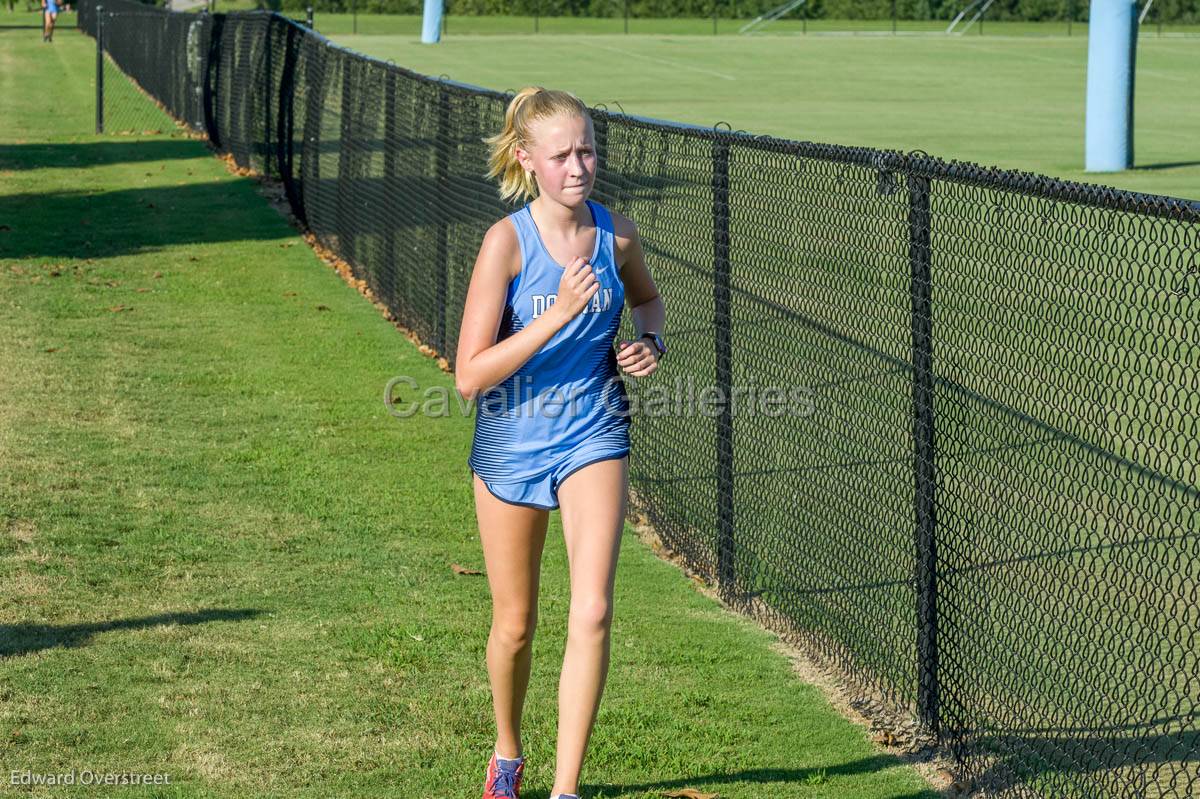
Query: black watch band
point(657, 341)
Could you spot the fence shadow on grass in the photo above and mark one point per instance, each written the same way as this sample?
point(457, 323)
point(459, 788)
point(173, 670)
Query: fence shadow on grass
point(25, 639)
point(105, 224)
point(74, 156)
point(770, 776)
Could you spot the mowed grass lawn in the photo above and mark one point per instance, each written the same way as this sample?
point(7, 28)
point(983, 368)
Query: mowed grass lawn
point(223, 560)
point(1017, 102)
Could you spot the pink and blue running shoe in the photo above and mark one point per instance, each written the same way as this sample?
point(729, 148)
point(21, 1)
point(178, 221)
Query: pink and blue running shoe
point(503, 778)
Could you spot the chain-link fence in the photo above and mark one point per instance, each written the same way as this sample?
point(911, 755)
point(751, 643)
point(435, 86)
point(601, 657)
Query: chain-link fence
point(132, 102)
point(977, 496)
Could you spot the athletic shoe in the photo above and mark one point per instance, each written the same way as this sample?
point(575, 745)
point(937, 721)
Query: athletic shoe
point(503, 778)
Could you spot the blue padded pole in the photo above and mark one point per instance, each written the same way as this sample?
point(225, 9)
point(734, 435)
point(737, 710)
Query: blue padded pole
point(1112, 49)
point(431, 24)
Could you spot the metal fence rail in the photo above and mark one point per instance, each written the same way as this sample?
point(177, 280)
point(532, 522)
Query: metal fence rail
point(979, 499)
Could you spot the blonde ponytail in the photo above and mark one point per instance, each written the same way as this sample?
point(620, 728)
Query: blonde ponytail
point(529, 105)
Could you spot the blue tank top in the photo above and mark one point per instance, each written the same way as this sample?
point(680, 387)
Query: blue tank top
point(569, 393)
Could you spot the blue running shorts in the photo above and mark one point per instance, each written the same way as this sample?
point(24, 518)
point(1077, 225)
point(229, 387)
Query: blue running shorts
point(51, 7)
point(541, 491)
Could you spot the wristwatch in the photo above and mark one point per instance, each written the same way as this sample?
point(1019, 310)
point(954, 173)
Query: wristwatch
point(657, 341)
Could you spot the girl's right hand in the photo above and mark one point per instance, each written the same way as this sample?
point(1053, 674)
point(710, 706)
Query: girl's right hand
point(576, 287)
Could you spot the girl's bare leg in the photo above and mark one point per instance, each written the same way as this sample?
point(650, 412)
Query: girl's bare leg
point(513, 537)
point(592, 502)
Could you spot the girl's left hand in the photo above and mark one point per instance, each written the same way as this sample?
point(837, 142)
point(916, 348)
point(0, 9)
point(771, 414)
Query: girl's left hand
point(637, 358)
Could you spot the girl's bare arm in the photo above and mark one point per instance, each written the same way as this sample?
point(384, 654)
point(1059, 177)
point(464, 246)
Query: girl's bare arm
point(481, 362)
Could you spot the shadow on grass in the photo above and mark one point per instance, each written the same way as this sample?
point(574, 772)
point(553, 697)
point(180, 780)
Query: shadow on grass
point(24, 639)
point(78, 224)
point(1172, 165)
point(800, 777)
point(1066, 762)
point(73, 156)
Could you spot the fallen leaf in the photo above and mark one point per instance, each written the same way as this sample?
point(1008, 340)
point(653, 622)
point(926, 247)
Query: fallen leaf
point(289, 294)
point(193, 258)
point(112, 283)
point(5, 228)
point(158, 274)
point(141, 290)
point(690, 793)
point(55, 273)
point(463, 569)
point(119, 308)
point(322, 307)
point(51, 349)
point(415, 637)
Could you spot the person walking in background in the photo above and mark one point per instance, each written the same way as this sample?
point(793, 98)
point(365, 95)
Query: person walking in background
point(552, 423)
point(49, 15)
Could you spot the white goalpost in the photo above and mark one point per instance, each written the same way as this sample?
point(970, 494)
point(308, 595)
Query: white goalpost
point(983, 7)
point(770, 16)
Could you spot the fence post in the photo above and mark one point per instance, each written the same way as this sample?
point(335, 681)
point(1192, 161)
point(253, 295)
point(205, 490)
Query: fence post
point(345, 191)
point(924, 475)
point(388, 274)
point(726, 576)
point(315, 91)
point(99, 69)
point(267, 100)
point(308, 17)
point(442, 171)
point(212, 80)
point(286, 121)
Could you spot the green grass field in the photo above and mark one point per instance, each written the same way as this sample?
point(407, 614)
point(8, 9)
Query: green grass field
point(1016, 102)
point(991, 99)
point(223, 560)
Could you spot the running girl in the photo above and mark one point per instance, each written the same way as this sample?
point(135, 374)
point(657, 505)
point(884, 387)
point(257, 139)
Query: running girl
point(552, 422)
point(49, 15)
